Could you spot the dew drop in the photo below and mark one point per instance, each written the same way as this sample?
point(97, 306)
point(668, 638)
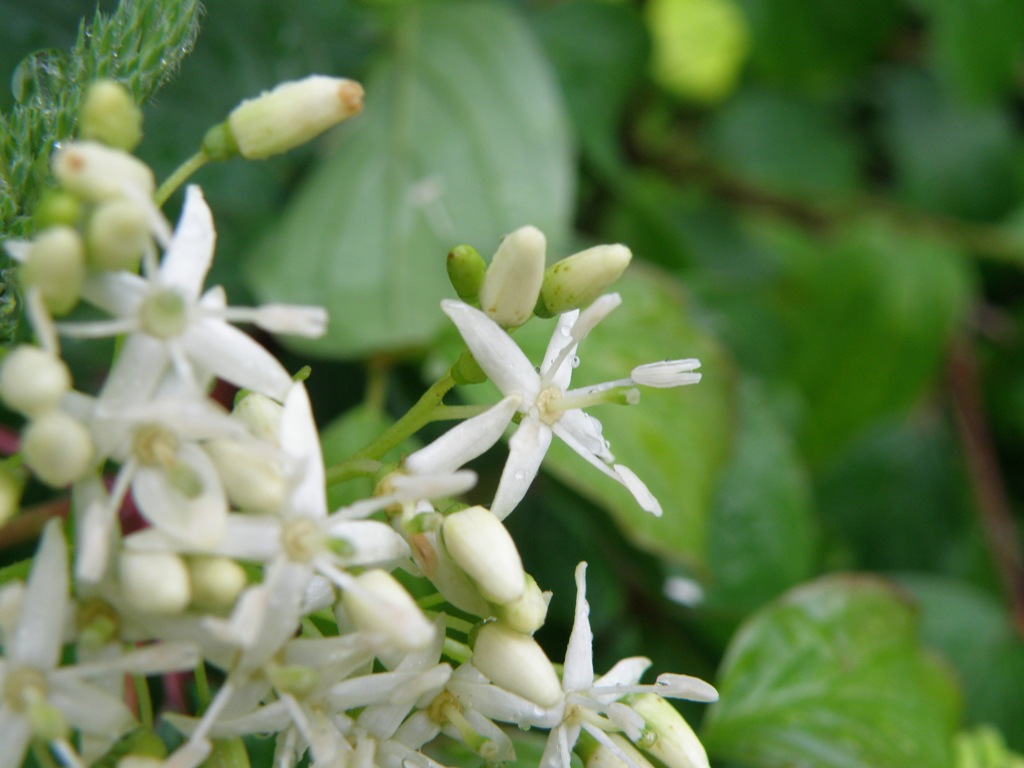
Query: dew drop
point(519, 474)
point(565, 330)
point(575, 361)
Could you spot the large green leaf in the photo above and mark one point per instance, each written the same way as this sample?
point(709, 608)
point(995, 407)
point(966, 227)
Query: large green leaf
point(463, 139)
point(761, 533)
point(832, 676)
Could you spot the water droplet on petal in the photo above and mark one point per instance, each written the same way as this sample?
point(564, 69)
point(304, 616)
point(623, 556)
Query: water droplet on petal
point(575, 361)
point(565, 330)
point(519, 475)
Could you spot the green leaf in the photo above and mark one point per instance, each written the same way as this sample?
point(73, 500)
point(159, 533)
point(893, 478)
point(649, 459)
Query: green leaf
point(599, 51)
point(140, 44)
point(463, 139)
point(972, 629)
point(761, 533)
point(870, 313)
point(948, 157)
point(832, 676)
point(815, 43)
point(786, 143)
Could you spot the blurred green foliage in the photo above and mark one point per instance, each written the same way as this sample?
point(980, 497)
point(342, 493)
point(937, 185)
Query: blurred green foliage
point(824, 199)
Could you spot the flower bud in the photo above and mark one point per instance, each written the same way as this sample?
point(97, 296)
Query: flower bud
point(216, 582)
point(483, 548)
point(597, 755)
point(512, 283)
point(575, 282)
point(261, 416)
point(526, 614)
point(116, 235)
point(110, 115)
point(96, 172)
point(292, 114)
point(252, 478)
point(668, 736)
point(517, 663)
point(57, 448)
point(57, 207)
point(666, 374)
point(466, 270)
point(32, 380)
point(55, 264)
point(154, 582)
point(380, 604)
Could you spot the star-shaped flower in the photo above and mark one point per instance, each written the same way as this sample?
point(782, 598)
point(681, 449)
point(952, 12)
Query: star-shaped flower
point(548, 406)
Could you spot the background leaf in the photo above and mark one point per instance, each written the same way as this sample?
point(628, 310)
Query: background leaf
point(463, 139)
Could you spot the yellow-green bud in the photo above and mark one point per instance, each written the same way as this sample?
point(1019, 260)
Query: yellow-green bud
point(466, 270)
point(526, 614)
point(116, 235)
point(292, 114)
point(575, 282)
point(97, 172)
point(668, 737)
point(57, 207)
point(260, 415)
point(110, 115)
point(216, 581)
point(483, 548)
point(32, 381)
point(57, 448)
point(154, 582)
point(380, 604)
point(295, 679)
point(517, 663)
point(55, 264)
point(46, 721)
point(253, 479)
point(512, 283)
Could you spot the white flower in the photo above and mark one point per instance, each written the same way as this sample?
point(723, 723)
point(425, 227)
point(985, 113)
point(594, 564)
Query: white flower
point(547, 404)
point(43, 700)
point(170, 322)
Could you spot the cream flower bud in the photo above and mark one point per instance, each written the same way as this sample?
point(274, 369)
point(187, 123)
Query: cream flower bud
point(667, 373)
point(32, 380)
point(575, 282)
point(596, 755)
point(517, 663)
point(378, 603)
point(292, 114)
point(116, 235)
point(216, 581)
point(55, 264)
point(252, 478)
point(483, 548)
point(512, 283)
point(668, 736)
point(527, 614)
point(261, 416)
point(110, 115)
point(96, 172)
point(154, 582)
point(57, 448)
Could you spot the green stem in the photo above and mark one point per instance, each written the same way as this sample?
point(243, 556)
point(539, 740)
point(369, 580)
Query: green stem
point(144, 700)
point(202, 687)
point(176, 179)
point(453, 412)
point(414, 420)
point(42, 755)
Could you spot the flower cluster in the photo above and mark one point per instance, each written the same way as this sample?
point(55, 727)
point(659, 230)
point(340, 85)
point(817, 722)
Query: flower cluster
point(238, 563)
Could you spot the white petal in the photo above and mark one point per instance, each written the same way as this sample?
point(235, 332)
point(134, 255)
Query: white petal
point(374, 544)
point(668, 373)
point(464, 442)
point(526, 452)
point(588, 432)
point(14, 736)
point(625, 672)
point(188, 258)
point(285, 584)
point(498, 355)
point(639, 490)
point(558, 359)
point(675, 686)
point(97, 531)
point(135, 375)
point(116, 293)
point(301, 443)
point(232, 355)
point(594, 314)
point(38, 637)
point(90, 708)
point(18, 249)
point(579, 655)
point(199, 521)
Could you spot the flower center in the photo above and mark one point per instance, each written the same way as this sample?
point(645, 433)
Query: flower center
point(154, 445)
point(301, 539)
point(547, 405)
point(164, 314)
point(25, 687)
